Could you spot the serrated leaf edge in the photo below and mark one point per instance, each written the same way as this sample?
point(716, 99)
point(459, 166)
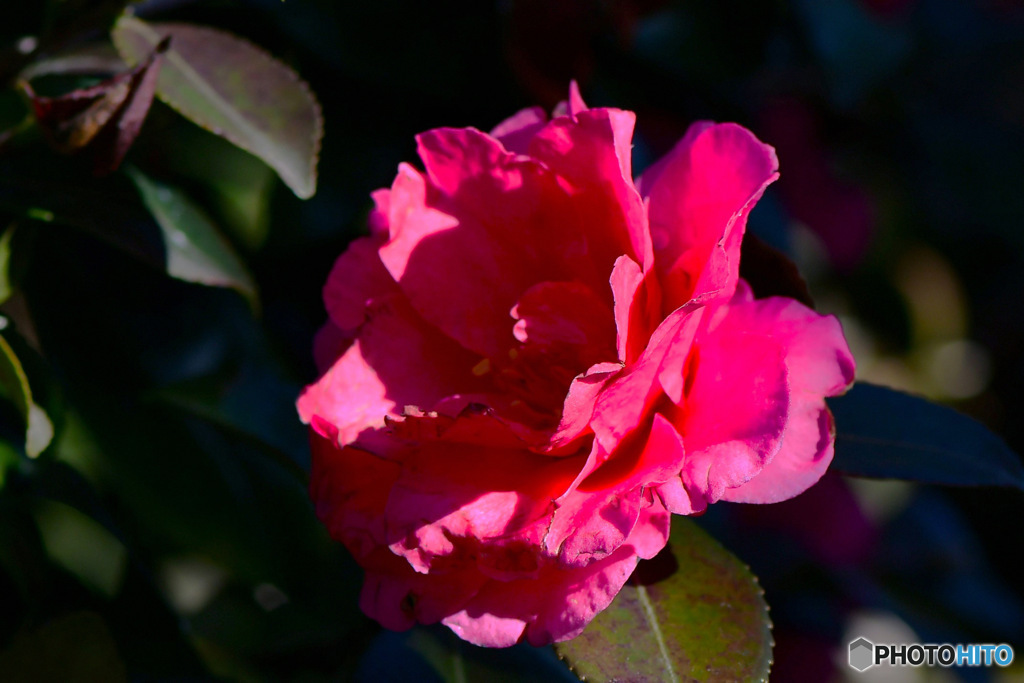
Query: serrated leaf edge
point(153, 37)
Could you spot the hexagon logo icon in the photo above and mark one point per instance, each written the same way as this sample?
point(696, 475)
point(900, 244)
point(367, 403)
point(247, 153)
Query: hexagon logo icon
point(862, 654)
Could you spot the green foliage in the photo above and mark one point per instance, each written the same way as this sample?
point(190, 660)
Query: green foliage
point(195, 250)
point(87, 652)
point(236, 90)
point(6, 288)
point(706, 621)
point(15, 385)
point(889, 434)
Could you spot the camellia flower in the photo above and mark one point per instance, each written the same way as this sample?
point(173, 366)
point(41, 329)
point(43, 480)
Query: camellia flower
point(532, 361)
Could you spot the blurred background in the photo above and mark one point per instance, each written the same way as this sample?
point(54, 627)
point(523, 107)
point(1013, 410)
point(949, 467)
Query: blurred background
point(165, 534)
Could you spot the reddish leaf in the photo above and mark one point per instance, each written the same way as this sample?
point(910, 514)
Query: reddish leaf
point(105, 118)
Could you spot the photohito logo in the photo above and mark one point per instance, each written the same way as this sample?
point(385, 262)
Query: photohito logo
point(864, 654)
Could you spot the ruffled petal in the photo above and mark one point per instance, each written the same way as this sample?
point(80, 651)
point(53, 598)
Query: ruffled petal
point(819, 364)
point(623, 403)
point(698, 199)
point(735, 411)
point(572, 325)
point(515, 132)
point(555, 606)
point(560, 602)
point(397, 360)
point(591, 151)
point(468, 480)
point(464, 239)
point(806, 451)
point(398, 597)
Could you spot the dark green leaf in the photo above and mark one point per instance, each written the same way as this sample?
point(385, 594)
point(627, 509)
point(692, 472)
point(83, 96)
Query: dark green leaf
point(44, 187)
point(236, 90)
point(707, 621)
point(239, 186)
point(8, 458)
point(196, 252)
point(884, 433)
point(434, 653)
point(38, 428)
point(77, 646)
point(6, 288)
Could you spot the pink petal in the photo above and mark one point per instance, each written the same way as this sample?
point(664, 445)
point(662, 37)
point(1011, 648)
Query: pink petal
point(817, 354)
point(566, 318)
point(576, 103)
point(592, 152)
point(452, 491)
point(590, 526)
point(397, 360)
point(624, 402)
point(818, 364)
point(698, 201)
point(601, 510)
point(378, 219)
point(680, 500)
point(735, 412)
point(464, 239)
point(357, 277)
point(349, 488)
point(328, 344)
point(515, 132)
point(651, 531)
point(553, 607)
point(626, 281)
point(579, 403)
point(559, 603)
point(398, 597)
point(805, 454)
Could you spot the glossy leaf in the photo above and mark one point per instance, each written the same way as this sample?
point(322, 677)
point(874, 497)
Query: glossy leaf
point(707, 621)
point(196, 252)
point(236, 90)
point(888, 434)
point(38, 428)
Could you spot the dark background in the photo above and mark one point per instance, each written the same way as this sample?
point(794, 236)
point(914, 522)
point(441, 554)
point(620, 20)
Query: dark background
point(166, 532)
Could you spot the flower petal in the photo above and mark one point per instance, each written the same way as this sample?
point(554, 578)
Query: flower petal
point(515, 132)
point(818, 364)
point(566, 318)
point(625, 401)
point(592, 152)
point(698, 200)
point(735, 412)
point(464, 239)
point(558, 604)
point(397, 360)
point(357, 277)
point(805, 454)
point(349, 487)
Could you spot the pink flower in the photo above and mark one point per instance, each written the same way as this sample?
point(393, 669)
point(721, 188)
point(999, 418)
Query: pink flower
point(532, 360)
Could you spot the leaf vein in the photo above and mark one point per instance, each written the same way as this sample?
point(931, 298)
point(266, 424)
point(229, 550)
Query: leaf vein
point(652, 618)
